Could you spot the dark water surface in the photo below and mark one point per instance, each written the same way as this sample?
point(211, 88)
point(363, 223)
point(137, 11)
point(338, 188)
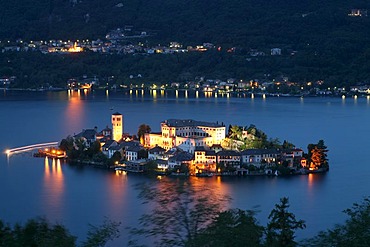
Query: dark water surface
point(76, 196)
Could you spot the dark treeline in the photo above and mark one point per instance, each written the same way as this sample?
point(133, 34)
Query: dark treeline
point(34, 69)
point(193, 223)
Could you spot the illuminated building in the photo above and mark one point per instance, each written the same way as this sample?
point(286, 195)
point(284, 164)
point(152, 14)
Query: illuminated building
point(186, 134)
point(117, 125)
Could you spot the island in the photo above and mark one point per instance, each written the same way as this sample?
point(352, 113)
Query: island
point(186, 147)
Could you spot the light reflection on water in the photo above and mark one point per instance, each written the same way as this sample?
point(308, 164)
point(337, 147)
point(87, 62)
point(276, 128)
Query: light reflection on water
point(74, 113)
point(79, 196)
point(53, 187)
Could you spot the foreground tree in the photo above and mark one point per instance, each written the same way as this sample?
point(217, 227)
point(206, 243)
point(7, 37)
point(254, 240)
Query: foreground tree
point(232, 228)
point(40, 233)
point(354, 232)
point(36, 232)
point(179, 213)
point(98, 236)
point(282, 226)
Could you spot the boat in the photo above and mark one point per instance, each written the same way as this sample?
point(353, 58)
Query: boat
point(121, 168)
point(179, 174)
point(204, 174)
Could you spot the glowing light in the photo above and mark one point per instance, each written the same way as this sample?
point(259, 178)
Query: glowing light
point(75, 48)
point(343, 96)
point(29, 148)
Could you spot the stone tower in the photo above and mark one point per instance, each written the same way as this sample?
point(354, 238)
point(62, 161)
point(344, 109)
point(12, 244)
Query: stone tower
point(117, 126)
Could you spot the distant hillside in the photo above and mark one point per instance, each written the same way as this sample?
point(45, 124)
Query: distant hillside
point(240, 22)
point(330, 44)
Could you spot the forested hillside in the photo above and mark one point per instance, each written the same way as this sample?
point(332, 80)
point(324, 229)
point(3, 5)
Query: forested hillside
point(239, 22)
point(330, 44)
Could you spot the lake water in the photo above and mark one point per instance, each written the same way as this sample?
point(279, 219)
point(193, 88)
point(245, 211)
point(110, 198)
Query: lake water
point(76, 196)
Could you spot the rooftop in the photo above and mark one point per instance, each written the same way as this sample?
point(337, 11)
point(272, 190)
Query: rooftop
point(189, 122)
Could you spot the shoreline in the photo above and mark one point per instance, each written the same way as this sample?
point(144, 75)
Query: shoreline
point(251, 94)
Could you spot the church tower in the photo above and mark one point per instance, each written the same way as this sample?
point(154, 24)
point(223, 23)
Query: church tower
point(117, 126)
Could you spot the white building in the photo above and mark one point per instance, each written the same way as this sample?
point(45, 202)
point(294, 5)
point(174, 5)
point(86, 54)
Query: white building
point(132, 153)
point(186, 134)
point(156, 153)
point(258, 156)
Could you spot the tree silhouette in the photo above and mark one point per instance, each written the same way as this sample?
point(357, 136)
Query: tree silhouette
point(282, 225)
point(179, 212)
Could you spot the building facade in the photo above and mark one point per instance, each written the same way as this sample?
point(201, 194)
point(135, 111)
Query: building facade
point(186, 134)
point(117, 125)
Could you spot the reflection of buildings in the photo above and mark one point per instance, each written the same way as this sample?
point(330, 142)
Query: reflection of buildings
point(75, 110)
point(53, 184)
point(186, 134)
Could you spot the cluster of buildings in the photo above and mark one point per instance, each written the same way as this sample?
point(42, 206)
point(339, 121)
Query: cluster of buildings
point(110, 46)
point(358, 12)
point(187, 146)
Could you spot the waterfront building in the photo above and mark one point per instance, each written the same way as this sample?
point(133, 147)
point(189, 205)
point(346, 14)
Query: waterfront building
point(132, 153)
point(229, 158)
point(104, 136)
point(162, 164)
point(88, 136)
point(258, 156)
point(292, 156)
point(156, 153)
point(204, 160)
point(117, 124)
point(107, 147)
point(186, 134)
point(180, 159)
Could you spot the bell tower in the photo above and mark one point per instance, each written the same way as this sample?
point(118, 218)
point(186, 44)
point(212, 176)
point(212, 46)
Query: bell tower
point(117, 126)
